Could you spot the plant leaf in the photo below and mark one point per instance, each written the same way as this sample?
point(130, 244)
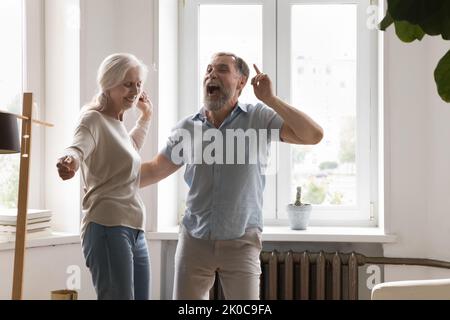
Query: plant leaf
point(408, 10)
point(446, 23)
point(408, 32)
point(430, 15)
point(386, 22)
point(442, 77)
point(415, 11)
point(446, 30)
point(433, 24)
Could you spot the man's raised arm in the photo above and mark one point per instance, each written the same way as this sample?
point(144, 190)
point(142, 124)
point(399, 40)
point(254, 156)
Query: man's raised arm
point(298, 127)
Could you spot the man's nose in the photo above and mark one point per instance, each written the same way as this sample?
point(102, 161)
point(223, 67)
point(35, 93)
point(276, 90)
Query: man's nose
point(212, 74)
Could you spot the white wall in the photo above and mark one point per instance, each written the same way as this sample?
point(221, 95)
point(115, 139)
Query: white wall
point(167, 63)
point(34, 82)
point(418, 211)
point(46, 270)
point(120, 26)
point(405, 100)
point(62, 97)
point(438, 168)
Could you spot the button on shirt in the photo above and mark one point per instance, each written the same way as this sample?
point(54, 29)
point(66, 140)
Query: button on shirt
point(224, 169)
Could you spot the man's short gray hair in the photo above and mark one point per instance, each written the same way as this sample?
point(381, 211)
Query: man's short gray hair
point(239, 63)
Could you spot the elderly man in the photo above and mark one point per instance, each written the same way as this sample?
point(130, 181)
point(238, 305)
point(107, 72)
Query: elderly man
point(222, 225)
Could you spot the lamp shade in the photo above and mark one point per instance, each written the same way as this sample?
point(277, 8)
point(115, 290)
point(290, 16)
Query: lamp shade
point(9, 134)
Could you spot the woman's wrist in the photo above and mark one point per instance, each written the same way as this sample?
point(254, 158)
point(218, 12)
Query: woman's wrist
point(144, 119)
point(146, 116)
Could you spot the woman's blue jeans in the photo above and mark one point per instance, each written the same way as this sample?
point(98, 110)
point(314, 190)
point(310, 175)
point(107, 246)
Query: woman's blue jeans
point(118, 260)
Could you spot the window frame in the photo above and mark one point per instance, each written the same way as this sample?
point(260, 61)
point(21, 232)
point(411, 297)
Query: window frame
point(189, 65)
point(189, 61)
point(276, 60)
point(33, 81)
point(365, 214)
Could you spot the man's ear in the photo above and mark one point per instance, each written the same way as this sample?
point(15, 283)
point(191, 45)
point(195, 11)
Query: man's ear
point(242, 82)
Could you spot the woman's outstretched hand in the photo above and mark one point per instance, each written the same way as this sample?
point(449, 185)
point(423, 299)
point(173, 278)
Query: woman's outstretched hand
point(67, 167)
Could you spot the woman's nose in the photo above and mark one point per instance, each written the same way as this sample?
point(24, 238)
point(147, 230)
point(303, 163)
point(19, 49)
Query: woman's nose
point(134, 89)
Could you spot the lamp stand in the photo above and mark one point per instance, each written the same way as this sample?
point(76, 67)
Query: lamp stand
point(21, 224)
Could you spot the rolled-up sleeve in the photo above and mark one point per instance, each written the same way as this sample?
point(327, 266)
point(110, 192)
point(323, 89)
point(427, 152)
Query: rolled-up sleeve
point(176, 140)
point(270, 120)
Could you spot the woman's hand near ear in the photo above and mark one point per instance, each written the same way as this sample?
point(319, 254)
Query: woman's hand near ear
point(145, 106)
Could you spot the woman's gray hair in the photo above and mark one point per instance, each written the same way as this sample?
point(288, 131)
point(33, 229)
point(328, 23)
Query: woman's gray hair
point(111, 73)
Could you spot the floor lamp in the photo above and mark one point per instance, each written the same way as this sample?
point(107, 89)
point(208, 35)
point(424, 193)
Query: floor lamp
point(9, 143)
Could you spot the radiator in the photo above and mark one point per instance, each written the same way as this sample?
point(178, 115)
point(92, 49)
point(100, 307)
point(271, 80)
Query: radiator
point(306, 275)
point(317, 276)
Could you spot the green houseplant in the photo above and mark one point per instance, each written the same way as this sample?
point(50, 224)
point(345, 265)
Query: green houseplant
point(413, 19)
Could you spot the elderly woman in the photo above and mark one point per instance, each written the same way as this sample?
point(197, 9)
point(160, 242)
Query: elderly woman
point(112, 232)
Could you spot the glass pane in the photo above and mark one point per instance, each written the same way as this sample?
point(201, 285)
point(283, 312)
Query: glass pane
point(243, 37)
point(235, 28)
point(10, 91)
point(324, 86)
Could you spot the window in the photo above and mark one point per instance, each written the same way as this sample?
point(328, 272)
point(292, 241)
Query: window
point(207, 23)
point(21, 71)
point(247, 40)
point(330, 73)
point(11, 87)
point(322, 58)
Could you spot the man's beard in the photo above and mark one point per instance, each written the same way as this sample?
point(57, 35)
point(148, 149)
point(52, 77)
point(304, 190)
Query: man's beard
point(215, 104)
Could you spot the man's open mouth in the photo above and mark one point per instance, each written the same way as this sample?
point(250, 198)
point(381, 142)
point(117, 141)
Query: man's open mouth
point(212, 89)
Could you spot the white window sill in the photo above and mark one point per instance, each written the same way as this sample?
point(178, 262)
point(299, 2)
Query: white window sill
point(54, 239)
point(312, 234)
point(271, 233)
